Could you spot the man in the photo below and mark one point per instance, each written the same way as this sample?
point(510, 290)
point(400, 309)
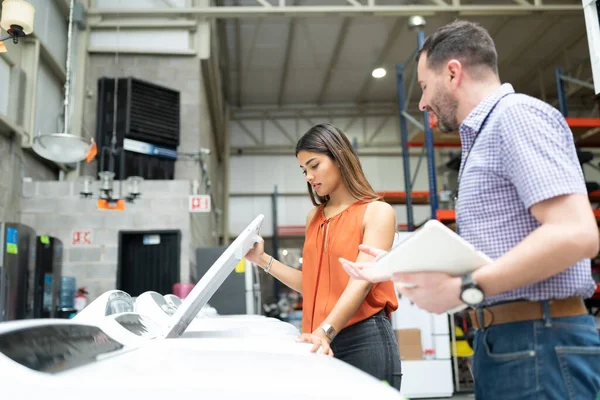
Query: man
point(522, 201)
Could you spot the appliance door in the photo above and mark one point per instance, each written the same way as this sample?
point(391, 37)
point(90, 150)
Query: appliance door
point(230, 297)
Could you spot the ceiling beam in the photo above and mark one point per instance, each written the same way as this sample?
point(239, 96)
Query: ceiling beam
point(339, 44)
point(572, 38)
point(238, 61)
point(393, 11)
point(225, 63)
point(383, 54)
point(528, 42)
point(286, 60)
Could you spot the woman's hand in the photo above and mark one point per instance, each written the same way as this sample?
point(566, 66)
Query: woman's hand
point(257, 253)
point(319, 341)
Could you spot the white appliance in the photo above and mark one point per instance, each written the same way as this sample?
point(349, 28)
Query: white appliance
point(74, 358)
point(62, 360)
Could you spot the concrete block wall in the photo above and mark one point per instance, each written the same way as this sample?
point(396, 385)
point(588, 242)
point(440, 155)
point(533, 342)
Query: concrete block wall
point(181, 73)
point(56, 209)
point(15, 164)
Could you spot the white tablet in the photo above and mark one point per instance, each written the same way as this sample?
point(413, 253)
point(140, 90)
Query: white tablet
point(433, 247)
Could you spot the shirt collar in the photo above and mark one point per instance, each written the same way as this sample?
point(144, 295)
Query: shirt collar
point(473, 123)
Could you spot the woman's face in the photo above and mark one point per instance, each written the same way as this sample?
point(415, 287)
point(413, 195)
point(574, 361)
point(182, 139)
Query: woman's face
point(321, 172)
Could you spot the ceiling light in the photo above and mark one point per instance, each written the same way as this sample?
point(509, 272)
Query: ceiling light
point(17, 19)
point(378, 73)
point(61, 147)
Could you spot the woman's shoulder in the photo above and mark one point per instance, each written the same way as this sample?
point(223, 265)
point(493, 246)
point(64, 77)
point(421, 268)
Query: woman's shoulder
point(312, 213)
point(378, 211)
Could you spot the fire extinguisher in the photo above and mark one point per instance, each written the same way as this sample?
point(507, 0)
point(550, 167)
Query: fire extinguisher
point(81, 299)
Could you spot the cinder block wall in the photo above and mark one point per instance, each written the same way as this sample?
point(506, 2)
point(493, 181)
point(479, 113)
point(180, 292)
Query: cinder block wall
point(56, 209)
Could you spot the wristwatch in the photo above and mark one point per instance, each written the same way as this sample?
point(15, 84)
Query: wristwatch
point(329, 331)
point(470, 292)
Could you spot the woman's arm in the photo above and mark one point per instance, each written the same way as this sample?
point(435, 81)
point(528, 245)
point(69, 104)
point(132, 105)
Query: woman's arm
point(379, 229)
point(289, 276)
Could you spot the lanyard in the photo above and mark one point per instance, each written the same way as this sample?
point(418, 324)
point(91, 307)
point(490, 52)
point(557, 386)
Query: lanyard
point(464, 163)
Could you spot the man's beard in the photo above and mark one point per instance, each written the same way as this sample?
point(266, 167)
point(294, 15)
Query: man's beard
point(446, 108)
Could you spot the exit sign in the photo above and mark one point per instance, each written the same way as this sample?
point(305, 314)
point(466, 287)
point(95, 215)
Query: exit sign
point(81, 237)
point(199, 203)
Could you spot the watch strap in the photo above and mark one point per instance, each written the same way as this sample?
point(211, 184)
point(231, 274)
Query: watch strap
point(329, 331)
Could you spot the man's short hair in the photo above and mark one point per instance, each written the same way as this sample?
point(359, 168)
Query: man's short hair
point(465, 41)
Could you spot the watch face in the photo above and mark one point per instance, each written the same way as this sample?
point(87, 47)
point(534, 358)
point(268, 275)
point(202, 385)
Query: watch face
point(472, 296)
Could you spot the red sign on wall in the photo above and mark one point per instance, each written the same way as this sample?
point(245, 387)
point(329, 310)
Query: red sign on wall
point(199, 203)
point(81, 237)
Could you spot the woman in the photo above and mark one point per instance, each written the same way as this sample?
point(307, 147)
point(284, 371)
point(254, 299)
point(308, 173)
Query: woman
point(352, 317)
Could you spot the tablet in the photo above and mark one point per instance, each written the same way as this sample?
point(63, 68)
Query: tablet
point(433, 247)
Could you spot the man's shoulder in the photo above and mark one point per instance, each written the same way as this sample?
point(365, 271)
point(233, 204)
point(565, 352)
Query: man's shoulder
point(523, 104)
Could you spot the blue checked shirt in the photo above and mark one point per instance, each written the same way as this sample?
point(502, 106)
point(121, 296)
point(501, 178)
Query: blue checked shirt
point(524, 154)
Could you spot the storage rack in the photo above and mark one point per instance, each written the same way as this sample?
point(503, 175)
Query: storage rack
point(585, 131)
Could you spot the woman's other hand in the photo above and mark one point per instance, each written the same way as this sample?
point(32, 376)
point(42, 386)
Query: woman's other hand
point(319, 341)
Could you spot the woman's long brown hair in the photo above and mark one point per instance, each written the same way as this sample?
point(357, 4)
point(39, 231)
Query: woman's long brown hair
point(329, 140)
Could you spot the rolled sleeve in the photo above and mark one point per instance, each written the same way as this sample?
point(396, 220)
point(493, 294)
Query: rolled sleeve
point(540, 159)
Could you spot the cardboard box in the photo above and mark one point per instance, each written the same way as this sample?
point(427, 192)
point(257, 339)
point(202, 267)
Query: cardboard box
point(409, 343)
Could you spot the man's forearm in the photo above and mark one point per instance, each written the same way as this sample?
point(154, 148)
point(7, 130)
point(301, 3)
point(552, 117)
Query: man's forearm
point(547, 251)
point(348, 303)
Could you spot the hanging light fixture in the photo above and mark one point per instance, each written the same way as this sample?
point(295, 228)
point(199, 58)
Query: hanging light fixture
point(133, 187)
point(86, 182)
point(109, 200)
point(62, 147)
point(17, 20)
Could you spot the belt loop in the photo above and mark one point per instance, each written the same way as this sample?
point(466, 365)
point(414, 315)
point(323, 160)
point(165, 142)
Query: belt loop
point(546, 312)
point(480, 318)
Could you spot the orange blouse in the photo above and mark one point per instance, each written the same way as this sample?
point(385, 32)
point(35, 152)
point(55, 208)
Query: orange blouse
point(323, 277)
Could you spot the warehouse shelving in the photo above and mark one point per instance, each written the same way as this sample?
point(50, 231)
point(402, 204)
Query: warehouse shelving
point(585, 132)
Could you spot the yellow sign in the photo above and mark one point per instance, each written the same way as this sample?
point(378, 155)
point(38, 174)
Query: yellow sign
point(241, 267)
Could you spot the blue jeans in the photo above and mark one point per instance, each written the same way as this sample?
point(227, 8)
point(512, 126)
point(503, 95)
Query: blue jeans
point(370, 345)
point(553, 358)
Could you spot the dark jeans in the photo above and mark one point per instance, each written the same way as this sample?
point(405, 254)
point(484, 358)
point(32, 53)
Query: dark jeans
point(554, 358)
point(370, 345)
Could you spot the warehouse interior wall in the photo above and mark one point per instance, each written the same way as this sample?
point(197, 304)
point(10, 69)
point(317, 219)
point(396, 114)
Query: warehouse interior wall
point(183, 74)
point(243, 168)
point(32, 74)
point(263, 156)
point(257, 169)
point(36, 192)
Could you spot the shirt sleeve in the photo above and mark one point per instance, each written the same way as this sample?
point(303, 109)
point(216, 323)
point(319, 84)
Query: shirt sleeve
point(539, 155)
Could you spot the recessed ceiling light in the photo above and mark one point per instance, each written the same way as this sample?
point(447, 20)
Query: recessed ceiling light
point(378, 73)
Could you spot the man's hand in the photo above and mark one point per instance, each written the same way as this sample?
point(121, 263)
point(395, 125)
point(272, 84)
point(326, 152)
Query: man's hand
point(436, 292)
point(366, 271)
point(319, 341)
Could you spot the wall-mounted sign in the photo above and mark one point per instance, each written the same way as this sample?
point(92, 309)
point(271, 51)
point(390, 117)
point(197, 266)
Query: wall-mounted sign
point(81, 237)
point(199, 203)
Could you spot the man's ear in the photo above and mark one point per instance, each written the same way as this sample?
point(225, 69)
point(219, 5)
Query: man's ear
point(454, 71)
